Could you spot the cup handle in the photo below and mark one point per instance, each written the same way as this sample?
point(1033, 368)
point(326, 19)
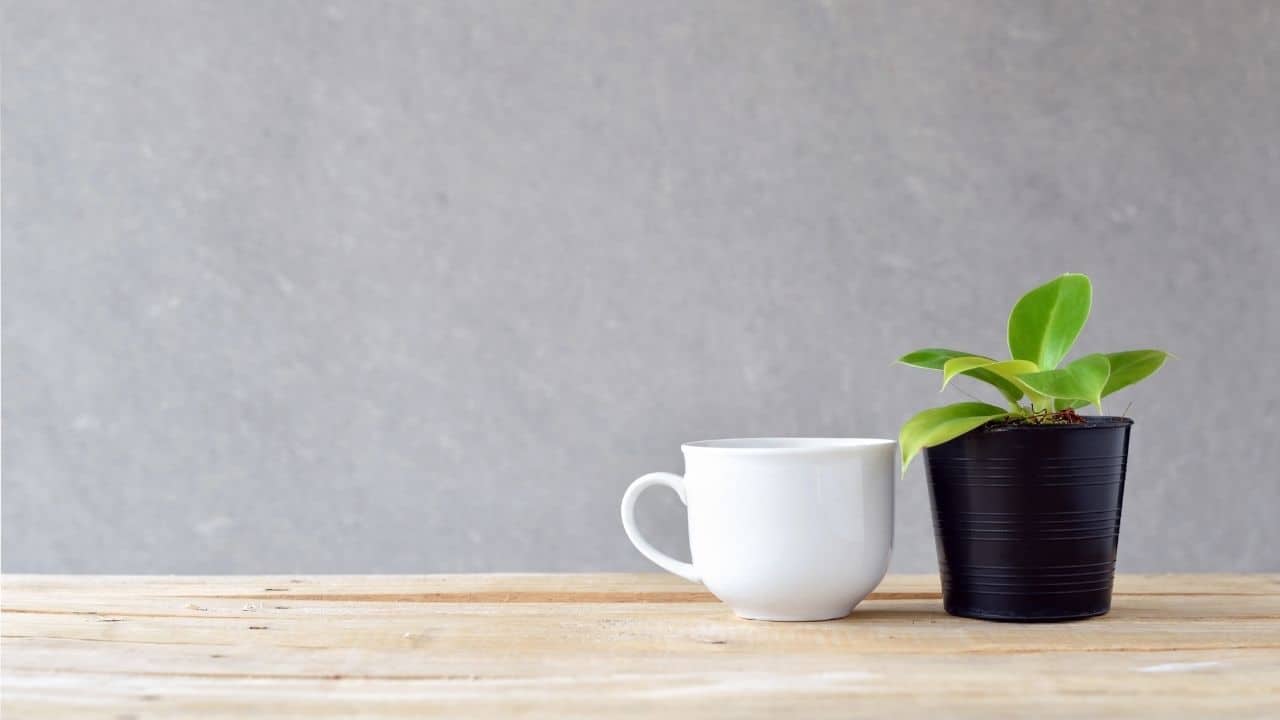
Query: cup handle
point(661, 559)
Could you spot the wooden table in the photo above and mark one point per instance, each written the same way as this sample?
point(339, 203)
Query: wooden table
point(616, 645)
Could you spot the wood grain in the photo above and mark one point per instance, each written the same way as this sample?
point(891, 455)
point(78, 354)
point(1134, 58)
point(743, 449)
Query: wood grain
point(612, 645)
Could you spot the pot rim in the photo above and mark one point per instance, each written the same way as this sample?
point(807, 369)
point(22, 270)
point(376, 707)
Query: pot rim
point(1092, 422)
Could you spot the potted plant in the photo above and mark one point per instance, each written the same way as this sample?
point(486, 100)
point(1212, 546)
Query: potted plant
point(1026, 498)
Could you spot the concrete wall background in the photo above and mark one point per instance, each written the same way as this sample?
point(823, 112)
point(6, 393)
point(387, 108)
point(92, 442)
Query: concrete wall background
point(421, 286)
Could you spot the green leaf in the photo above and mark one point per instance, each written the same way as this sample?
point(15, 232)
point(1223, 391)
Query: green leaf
point(931, 358)
point(964, 363)
point(1059, 404)
point(1131, 366)
point(1008, 370)
point(1046, 321)
point(1083, 379)
point(936, 358)
point(938, 425)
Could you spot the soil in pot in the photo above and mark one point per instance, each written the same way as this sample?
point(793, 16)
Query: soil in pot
point(1027, 518)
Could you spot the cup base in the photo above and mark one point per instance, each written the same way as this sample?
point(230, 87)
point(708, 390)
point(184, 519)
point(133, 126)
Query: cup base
point(816, 616)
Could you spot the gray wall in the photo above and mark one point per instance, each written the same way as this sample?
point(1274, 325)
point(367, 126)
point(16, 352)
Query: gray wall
point(421, 286)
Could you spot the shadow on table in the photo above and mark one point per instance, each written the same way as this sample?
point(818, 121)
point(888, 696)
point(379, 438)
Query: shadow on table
point(916, 614)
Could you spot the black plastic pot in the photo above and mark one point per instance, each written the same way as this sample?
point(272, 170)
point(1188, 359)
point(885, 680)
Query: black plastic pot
point(1027, 519)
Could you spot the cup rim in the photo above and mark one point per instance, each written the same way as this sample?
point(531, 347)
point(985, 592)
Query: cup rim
point(784, 445)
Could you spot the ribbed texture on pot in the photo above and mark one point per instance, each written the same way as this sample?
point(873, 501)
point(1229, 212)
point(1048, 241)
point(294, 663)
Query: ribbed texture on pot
point(1027, 519)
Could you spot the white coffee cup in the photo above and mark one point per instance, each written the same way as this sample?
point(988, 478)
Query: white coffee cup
point(781, 528)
